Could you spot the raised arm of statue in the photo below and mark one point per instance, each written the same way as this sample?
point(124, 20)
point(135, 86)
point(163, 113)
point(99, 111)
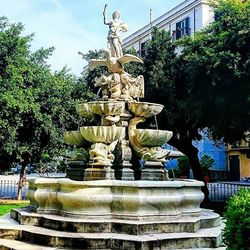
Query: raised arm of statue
point(104, 15)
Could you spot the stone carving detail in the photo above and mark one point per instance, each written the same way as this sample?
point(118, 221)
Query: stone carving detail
point(101, 154)
point(151, 150)
point(118, 85)
point(122, 152)
point(115, 26)
point(121, 87)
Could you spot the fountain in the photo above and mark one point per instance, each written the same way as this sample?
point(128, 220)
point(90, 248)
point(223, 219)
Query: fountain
point(118, 205)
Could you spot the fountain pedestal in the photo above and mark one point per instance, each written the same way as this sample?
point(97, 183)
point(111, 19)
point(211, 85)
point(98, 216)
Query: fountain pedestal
point(98, 173)
point(75, 170)
point(154, 171)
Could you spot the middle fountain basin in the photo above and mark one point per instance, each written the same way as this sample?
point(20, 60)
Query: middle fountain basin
point(102, 134)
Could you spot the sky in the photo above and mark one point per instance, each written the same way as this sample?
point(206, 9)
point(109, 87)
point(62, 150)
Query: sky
point(77, 25)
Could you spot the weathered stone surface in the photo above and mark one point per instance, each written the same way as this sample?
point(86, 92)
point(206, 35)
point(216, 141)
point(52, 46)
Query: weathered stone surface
point(207, 219)
point(135, 200)
point(54, 238)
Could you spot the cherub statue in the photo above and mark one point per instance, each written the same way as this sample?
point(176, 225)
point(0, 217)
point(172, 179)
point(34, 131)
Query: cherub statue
point(115, 26)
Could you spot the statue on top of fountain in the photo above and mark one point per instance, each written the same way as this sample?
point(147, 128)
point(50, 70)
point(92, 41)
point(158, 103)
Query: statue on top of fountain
point(115, 26)
point(118, 85)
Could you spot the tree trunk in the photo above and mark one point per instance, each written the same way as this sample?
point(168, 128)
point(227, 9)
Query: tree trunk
point(21, 182)
point(187, 148)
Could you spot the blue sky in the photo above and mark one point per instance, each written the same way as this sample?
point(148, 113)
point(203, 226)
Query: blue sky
point(77, 25)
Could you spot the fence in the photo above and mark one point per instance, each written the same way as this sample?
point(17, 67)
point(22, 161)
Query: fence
point(8, 189)
point(221, 192)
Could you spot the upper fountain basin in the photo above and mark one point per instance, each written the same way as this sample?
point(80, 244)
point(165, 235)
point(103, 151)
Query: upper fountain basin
point(74, 138)
point(145, 109)
point(103, 134)
point(100, 108)
point(152, 137)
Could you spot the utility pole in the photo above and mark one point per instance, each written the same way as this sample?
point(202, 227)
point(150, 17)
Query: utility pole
point(150, 21)
point(150, 18)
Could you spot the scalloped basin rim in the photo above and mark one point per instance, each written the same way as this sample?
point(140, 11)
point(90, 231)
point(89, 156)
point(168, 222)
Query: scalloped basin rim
point(102, 134)
point(146, 103)
point(145, 109)
point(99, 183)
point(151, 129)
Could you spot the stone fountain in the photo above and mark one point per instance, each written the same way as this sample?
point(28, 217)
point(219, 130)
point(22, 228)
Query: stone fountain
point(117, 204)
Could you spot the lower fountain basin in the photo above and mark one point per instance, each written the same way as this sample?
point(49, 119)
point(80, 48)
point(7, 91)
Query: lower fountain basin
point(115, 199)
point(102, 134)
point(152, 137)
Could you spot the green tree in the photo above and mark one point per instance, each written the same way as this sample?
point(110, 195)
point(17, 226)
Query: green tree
point(207, 162)
point(217, 64)
point(36, 105)
point(90, 76)
point(183, 167)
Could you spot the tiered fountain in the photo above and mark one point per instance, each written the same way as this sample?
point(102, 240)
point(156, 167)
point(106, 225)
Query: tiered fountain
point(117, 205)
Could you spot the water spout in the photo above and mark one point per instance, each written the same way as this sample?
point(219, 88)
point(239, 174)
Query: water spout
point(98, 92)
point(156, 122)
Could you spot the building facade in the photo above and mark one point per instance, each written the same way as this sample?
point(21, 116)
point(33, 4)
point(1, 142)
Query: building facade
point(239, 161)
point(184, 19)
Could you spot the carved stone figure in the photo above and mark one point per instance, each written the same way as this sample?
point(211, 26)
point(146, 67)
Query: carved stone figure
point(131, 86)
point(114, 64)
point(119, 85)
point(147, 151)
point(115, 27)
point(101, 154)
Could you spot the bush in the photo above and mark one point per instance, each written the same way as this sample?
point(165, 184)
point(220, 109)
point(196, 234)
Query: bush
point(237, 228)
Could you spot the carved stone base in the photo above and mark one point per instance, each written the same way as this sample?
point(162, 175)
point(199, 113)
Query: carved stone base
point(75, 170)
point(125, 174)
point(154, 171)
point(99, 173)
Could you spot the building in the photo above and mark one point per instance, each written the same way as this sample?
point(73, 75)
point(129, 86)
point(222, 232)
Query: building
point(218, 153)
point(184, 19)
point(239, 161)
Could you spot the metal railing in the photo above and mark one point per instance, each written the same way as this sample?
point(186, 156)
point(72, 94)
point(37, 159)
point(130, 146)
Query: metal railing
point(221, 192)
point(8, 189)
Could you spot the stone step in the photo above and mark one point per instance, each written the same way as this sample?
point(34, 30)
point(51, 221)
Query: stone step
point(53, 238)
point(207, 219)
point(19, 245)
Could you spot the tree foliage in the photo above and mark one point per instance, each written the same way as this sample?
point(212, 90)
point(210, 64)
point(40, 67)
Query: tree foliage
point(36, 104)
point(237, 221)
point(217, 64)
point(207, 162)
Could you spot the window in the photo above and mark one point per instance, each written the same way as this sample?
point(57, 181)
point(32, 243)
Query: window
point(143, 50)
point(182, 28)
